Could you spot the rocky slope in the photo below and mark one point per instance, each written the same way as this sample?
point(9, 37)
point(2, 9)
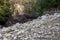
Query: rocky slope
point(46, 27)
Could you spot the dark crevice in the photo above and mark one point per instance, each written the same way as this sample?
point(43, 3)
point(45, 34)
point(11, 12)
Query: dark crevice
point(20, 19)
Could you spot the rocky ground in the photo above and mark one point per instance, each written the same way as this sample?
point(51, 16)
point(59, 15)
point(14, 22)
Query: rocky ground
point(46, 27)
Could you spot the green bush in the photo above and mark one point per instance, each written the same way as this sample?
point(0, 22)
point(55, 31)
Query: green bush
point(5, 10)
point(41, 5)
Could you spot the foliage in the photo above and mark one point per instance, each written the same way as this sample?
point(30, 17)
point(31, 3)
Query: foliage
point(41, 5)
point(5, 10)
point(31, 6)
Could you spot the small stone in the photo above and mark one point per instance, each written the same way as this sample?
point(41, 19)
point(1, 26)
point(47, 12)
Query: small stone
point(15, 37)
point(44, 17)
point(20, 32)
point(0, 35)
point(39, 18)
point(5, 29)
point(55, 14)
point(25, 38)
point(5, 38)
point(35, 34)
point(7, 35)
point(16, 30)
point(40, 33)
point(17, 24)
point(12, 35)
point(50, 32)
point(57, 24)
point(33, 26)
point(13, 28)
point(49, 26)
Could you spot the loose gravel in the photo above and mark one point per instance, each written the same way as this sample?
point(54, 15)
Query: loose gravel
point(46, 27)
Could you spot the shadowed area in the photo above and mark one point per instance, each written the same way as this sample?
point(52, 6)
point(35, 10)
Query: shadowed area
point(21, 19)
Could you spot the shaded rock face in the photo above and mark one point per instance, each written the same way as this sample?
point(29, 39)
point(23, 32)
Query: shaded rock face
point(2, 22)
point(22, 18)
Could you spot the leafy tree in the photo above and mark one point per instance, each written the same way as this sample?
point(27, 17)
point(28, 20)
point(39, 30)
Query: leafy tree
point(5, 11)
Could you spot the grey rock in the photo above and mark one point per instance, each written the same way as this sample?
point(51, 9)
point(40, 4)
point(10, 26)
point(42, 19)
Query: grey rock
point(0, 36)
point(46, 28)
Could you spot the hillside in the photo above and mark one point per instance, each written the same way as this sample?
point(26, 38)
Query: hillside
point(46, 27)
point(29, 19)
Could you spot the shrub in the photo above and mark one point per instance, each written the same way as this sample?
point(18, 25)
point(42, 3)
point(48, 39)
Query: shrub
point(5, 11)
point(38, 6)
point(41, 5)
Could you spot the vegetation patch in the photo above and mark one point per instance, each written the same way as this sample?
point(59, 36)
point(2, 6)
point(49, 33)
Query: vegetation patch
point(5, 11)
point(30, 7)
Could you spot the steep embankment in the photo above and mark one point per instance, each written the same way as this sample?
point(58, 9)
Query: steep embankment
point(46, 27)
